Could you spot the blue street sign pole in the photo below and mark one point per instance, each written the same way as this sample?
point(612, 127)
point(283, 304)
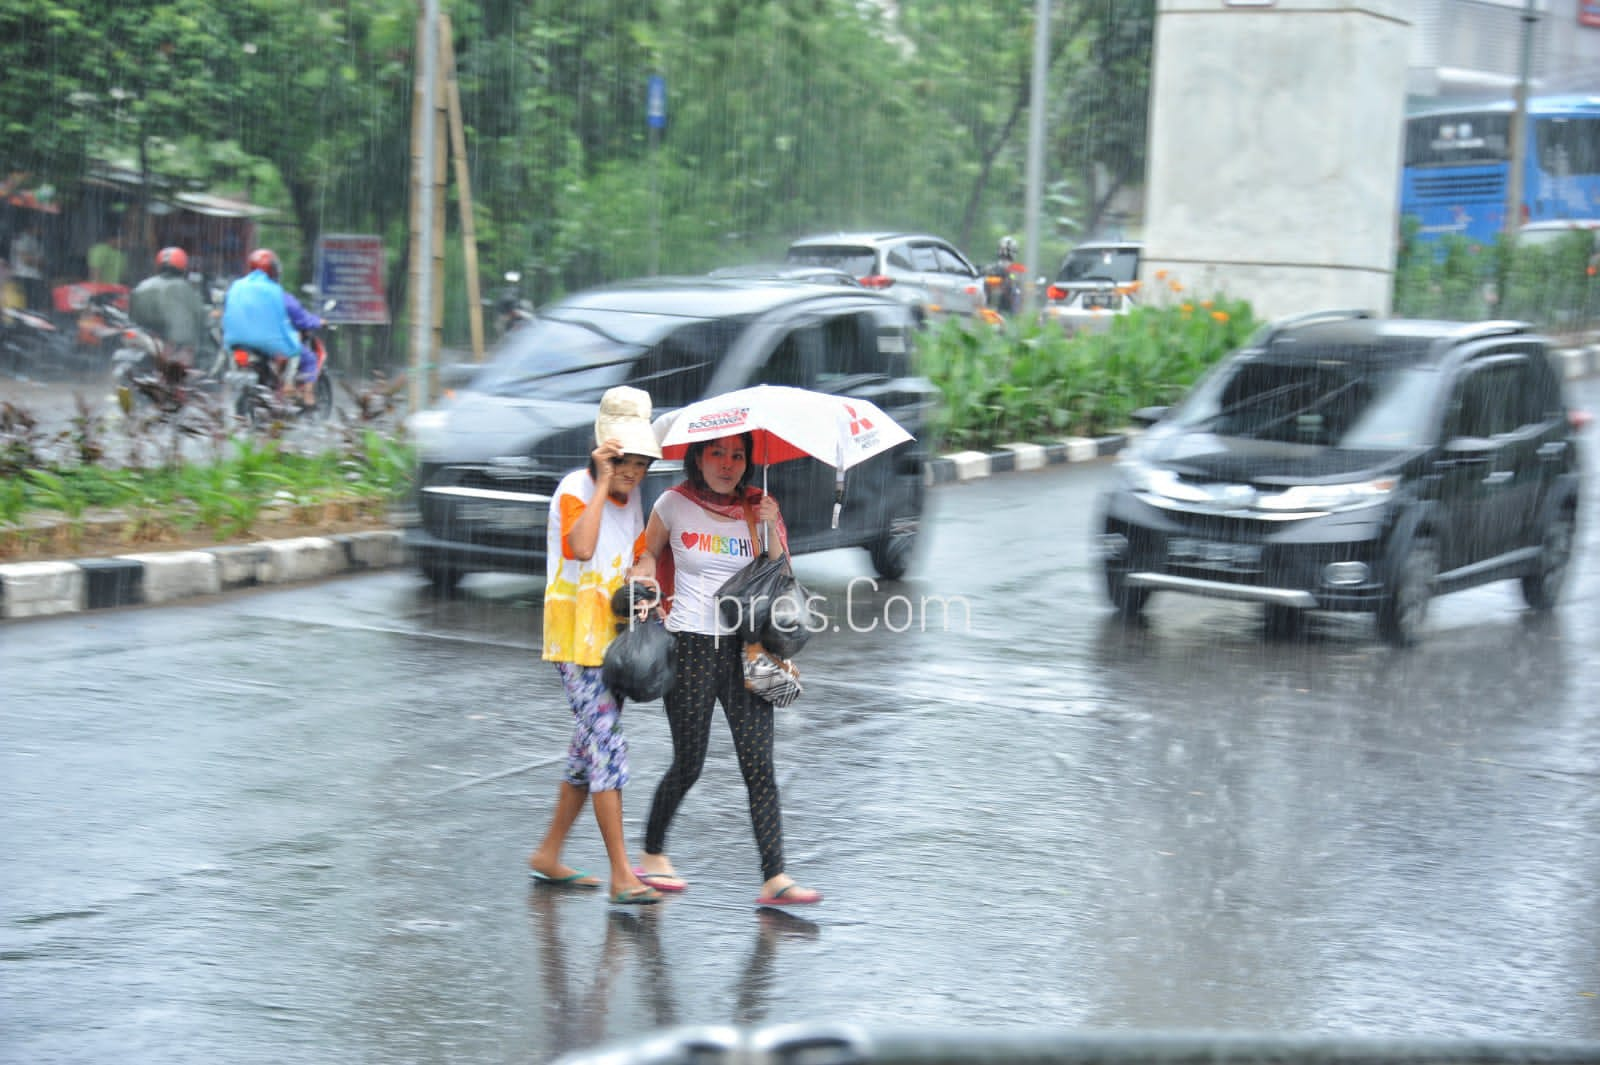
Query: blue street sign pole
point(655, 113)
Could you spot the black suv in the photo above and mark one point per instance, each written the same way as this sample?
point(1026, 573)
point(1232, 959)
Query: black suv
point(490, 460)
point(1345, 462)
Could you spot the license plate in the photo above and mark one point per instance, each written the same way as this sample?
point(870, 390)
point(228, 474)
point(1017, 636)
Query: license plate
point(502, 515)
point(1108, 301)
point(1213, 554)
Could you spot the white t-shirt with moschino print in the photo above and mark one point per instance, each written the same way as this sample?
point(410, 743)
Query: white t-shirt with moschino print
point(707, 549)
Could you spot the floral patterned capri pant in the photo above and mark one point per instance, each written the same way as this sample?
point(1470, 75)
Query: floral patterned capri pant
point(598, 756)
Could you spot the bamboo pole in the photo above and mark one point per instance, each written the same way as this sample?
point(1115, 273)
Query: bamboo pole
point(458, 151)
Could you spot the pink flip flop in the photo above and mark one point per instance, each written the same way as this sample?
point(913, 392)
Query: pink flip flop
point(793, 895)
point(662, 881)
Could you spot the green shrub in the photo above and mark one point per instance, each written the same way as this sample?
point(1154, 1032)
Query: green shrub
point(1551, 286)
point(1033, 382)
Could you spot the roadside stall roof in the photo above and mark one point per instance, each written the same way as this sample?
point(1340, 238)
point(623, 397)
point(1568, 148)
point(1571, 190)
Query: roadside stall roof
point(165, 200)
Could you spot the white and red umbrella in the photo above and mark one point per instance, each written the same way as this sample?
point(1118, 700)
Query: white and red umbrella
point(786, 423)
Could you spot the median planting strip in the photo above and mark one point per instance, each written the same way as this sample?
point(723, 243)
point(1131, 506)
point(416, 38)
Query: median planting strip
point(37, 589)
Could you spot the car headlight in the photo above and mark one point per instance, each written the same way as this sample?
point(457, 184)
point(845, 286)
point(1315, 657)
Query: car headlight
point(427, 428)
point(1329, 496)
point(1140, 476)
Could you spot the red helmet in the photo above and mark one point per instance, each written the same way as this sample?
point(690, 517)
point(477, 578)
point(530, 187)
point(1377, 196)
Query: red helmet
point(175, 259)
point(266, 260)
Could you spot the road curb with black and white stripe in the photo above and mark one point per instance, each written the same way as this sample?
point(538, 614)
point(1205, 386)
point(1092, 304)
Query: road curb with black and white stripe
point(40, 589)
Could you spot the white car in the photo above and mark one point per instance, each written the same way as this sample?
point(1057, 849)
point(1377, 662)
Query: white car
point(1548, 234)
point(1097, 281)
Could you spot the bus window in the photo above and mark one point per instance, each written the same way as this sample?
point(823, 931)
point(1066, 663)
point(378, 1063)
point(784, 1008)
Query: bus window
point(1568, 146)
point(1464, 137)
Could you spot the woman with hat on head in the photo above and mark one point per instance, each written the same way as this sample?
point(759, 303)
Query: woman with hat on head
point(596, 531)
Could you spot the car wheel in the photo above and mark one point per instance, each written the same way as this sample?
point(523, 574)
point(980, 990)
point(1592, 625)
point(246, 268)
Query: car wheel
point(1542, 588)
point(442, 580)
point(893, 553)
point(1405, 604)
point(1128, 600)
point(1284, 622)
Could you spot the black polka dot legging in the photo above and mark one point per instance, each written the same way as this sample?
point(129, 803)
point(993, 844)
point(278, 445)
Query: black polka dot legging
point(709, 670)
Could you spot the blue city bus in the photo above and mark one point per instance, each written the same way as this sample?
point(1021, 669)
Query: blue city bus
point(1457, 165)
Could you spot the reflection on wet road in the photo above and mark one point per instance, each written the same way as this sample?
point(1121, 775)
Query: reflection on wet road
point(292, 824)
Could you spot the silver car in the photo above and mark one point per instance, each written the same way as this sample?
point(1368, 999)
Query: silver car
point(924, 272)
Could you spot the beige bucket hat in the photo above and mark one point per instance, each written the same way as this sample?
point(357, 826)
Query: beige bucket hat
point(625, 415)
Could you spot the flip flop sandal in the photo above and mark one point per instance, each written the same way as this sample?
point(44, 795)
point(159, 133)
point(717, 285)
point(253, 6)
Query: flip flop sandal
point(639, 896)
point(663, 881)
point(577, 878)
point(793, 895)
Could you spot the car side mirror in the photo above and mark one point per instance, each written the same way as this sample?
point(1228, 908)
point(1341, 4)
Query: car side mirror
point(1148, 416)
point(456, 375)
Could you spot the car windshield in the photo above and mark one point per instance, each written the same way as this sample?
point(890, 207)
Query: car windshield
point(579, 358)
point(853, 260)
point(1110, 264)
point(1352, 405)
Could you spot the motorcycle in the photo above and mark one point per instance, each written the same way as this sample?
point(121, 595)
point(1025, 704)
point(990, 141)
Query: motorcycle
point(266, 385)
point(1002, 287)
point(144, 370)
point(32, 345)
point(510, 308)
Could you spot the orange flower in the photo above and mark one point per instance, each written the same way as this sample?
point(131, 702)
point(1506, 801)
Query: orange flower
point(1219, 316)
point(1175, 286)
point(1206, 304)
point(1187, 308)
point(1161, 275)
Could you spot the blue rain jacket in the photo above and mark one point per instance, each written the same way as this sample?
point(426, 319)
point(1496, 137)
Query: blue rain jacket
point(254, 316)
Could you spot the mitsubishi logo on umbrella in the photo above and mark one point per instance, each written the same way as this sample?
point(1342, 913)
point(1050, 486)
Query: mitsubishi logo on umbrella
point(857, 422)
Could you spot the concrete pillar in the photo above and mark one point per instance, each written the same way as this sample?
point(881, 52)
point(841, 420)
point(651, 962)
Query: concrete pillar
point(1276, 129)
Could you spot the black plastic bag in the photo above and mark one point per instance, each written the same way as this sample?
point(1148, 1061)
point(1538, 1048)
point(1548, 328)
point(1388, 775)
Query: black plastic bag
point(639, 665)
point(791, 620)
point(635, 598)
point(764, 602)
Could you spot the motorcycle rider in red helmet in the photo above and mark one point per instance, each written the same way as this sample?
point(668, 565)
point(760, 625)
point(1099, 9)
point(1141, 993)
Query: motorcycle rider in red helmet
point(259, 313)
point(167, 305)
point(303, 321)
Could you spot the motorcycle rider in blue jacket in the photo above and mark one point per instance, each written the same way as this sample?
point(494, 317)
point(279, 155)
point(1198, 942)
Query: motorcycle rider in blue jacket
point(304, 322)
point(256, 314)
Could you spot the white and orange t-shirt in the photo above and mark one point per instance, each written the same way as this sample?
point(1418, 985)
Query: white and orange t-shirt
point(707, 549)
point(578, 623)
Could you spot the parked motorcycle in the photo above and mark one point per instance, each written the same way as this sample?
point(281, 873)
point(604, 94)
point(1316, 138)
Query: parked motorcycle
point(32, 346)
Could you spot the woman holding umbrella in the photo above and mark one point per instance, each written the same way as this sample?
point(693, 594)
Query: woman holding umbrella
point(709, 522)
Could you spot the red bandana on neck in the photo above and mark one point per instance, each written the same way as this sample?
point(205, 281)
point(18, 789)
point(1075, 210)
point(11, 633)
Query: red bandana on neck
point(727, 507)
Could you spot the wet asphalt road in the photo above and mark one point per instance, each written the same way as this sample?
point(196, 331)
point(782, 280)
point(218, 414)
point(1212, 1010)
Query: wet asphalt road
point(291, 824)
